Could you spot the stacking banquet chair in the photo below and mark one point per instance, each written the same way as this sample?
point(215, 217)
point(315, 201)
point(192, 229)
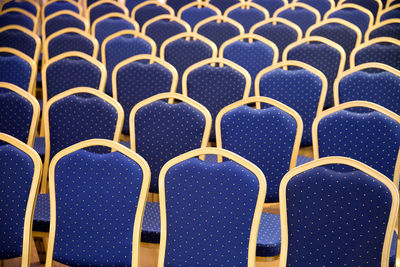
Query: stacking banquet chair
point(247, 14)
point(162, 27)
point(20, 170)
point(269, 137)
point(28, 5)
point(381, 50)
point(103, 7)
point(178, 4)
point(105, 190)
point(322, 54)
point(299, 13)
point(375, 6)
point(130, 4)
point(59, 5)
point(216, 86)
point(297, 85)
point(140, 77)
point(165, 126)
point(223, 5)
point(196, 11)
point(150, 9)
point(331, 217)
point(18, 16)
point(218, 29)
point(393, 12)
point(123, 45)
point(271, 5)
point(61, 20)
point(254, 54)
point(19, 113)
point(321, 5)
point(387, 28)
point(186, 49)
point(278, 30)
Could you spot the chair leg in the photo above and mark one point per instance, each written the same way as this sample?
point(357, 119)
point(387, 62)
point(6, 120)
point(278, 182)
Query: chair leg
point(41, 240)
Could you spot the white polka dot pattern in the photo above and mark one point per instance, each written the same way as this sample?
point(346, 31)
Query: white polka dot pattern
point(355, 16)
point(193, 15)
point(371, 5)
point(392, 14)
point(304, 18)
point(247, 17)
point(218, 32)
point(61, 22)
point(25, 5)
point(70, 42)
point(15, 70)
point(18, 40)
point(223, 4)
point(148, 12)
point(385, 53)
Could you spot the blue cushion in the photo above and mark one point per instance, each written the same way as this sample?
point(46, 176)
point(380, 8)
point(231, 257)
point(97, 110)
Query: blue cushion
point(70, 42)
point(269, 236)
point(15, 70)
point(355, 16)
point(393, 250)
point(386, 53)
point(41, 218)
point(58, 6)
point(63, 21)
point(103, 9)
point(40, 146)
point(17, 18)
point(193, 15)
point(247, 17)
point(18, 40)
point(25, 5)
point(148, 12)
point(304, 18)
point(151, 226)
point(218, 32)
point(303, 160)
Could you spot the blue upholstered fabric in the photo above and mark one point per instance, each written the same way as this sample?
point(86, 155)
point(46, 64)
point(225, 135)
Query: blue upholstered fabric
point(130, 4)
point(75, 118)
point(151, 226)
point(182, 54)
point(247, 17)
point(103, 9)
point(164, 131)
point(355, 16)
point(386, 53)
point(15, 70)
point(215, 88)
point(265, 137)
point(392, 14)
point(63, 21)
point(58, 6)
point(193, 15)
point(321, 5)
point(70, 41)
point(41, 218)
point(40, 146)
point(304, 18)
point(16, 18)
point(270, 5)
point(18, 40)
point(389, 30)
point(253, 57)
point(371, 5)
point(303, 160)
point(16, 170)
point(299, 89)
point(344, 133)
point(69, 73)
point(177, 4)
point(323, 231)
point(121, 48)
point(218, 32)
point(269, 236)
point(223, 4)
point(25, 5)
point(202, 227)
point(322, 57)
point(96, 198)
point(139, 80)
point(147, 12)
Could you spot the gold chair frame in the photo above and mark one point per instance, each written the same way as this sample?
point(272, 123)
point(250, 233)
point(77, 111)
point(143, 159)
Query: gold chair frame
point(219, 19)
point(115, 3)
point(152, 2)
point(380, 24)
point(60, 13)
point(247, 5)
point(293, 6)
point(198, 4)
point(69, 1)
point(352, 6)
point(113, 15)
point(24, 12)
point(166, 17)
point(30, 1)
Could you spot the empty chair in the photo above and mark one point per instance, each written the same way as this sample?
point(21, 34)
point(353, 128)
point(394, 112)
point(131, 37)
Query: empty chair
point(195, 12)
point(218, 29)
point(297, 85)
point(322, 54)
point(393, 12)
point(28, 5)
point(130, 4)
point(162, 130)
point(141, 77)
point(186, 49)
point(387, 28)
point(150, 9)
point(321, 5)
point(18, 16)
point(271, 5)
point(102, 182)
point(375, 6)
point(61, 20)
point(60, 5)
point(247, 14)
point(356, 231)
point(178, 4)
point(223, 5)
point(103, 7)
point(123, 45)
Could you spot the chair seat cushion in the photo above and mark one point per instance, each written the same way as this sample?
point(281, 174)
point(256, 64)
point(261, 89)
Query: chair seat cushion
point(269, 236)
point(302, 160)
point(151, 223)
point(40, 146)
point(41, 218)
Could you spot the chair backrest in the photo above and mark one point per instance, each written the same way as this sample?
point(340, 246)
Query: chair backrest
point(140, 77)
point(21, 39)
point(130, 4)
point(123, 45)
point(375, 6)
point(278, 30)
point(165, 126)
point(387, 28)
point(348, 217)
point(150, 9)
point(17, 68)
point(393, 12)
point(297, 85)
point(18, 16)
point(247, 14)
point(270, 5)
point(103, 7)
point(28, 5)
point(20, 173)
point(178, 4)
point(70, 70)
point(101, 183)
point(218, 29)
point(61, 20)
point(381, 50)
point(223, 4)
point(269, 137)
point(186, 49)
point(20, 113)
point(184, 183)
point(321, 53)
point(344, 129)
point(390, 3)
point(59, 5)
point(321, 5)
point(195, 12)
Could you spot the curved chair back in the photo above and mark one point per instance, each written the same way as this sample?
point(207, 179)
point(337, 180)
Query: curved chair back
point(130, 4)
point(387, 28)
point(375, 6)
point(321, 5)
point(61, 20)
point(393, 12)
point(165, 126)
point(195, 12)
point(297, 85)
point(150, 9)
point(223, 5)
point(60, 5)
point(390, 3)
point(103, 7)
point(18, 16)
point(178, 4)
point(338, 230)
point(28, 5)
point(270, 5)
point(184, 181)
point(101, 183)
point(247, 14)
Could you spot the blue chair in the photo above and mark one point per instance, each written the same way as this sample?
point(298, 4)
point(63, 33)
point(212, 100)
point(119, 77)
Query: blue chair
point(393, 12)
point(162, 27)
point(130, 4)
point(20, 170)
point(140, 77)
point(297, 85)
point(60, 5)
point(247, 14)
point(270, 5)
point(61, 20)
point(321, 5)
point(327, 211)
point(387, 28)
point(110, 195)
point(322, 54)
point(186, 49)
point(375, 6)
point(104, 7)
point(162, 130)
point(178, 4)
point(150, 9)
point(123, 45)
point(195, 12)
point(223, 4)
point(28, 5)
point(18, 16)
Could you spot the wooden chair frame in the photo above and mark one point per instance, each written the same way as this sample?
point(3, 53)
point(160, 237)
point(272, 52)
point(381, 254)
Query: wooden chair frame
point(152, 2)
point(115, 3)
point(60, 13)
point(166, 17)
point(69, 1)
point(292, 6)
point(274, 21)
point(30, 1)
point(352, 6)
point(247, 5)
point(198, 4)
point(219, 19)
point(380, 24)
point(24, 12)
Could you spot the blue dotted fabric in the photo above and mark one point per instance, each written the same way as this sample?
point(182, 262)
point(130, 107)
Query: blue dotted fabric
point(177, 4)
point(386, 53)
point(199, 200)
point(16, 18)
point(69, 73)
point(371, 5)
point(138, 81)
point(58, 6)
point(223, 4)
point(102, 10)
point(270, 5)
point(130, 4)
point(344, 133)
point(304, 18)
point(40, 146)
point(182, 54)
point(151, 226)
point(355, 16)
point(269, 236)
point(18, 40)
point(247, 17)
point(70, 42)
point(25, 5)
point(96, 198)
point(252, 56)
point(121, 48)
point(147, 12)
point(323, 231)
point(392, 14)
point(300, 89)
point(265, 137)
point(390, 30)
point(16, 170)
point(321, 5)
point(15, 70)
point(63, 21)
point(218, 32)
point(41, 218)
point(164, 131)
point(303, 160)
point(193, 15)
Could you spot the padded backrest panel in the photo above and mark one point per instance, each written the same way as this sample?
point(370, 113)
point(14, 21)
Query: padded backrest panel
point(70, 42)
point(385, 53)
point(218, 32)
point(15, 70)
point(247, 17)
point(18, 40)
point(355, 16)
point(58, 6)
point(193, 15)
point(302, 17)
point(63, 21)
point(161, 30)
point(16, 18)
point(147, 12)
point(103, 9)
